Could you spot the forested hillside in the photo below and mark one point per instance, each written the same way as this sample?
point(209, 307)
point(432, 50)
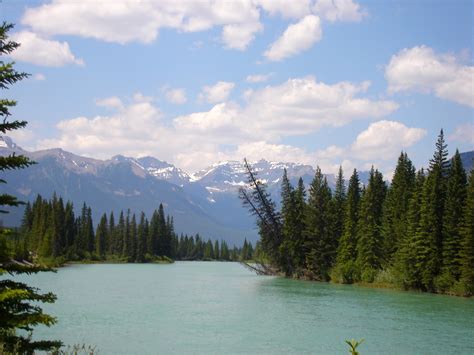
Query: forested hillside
point(51, 231)
point(417, 233)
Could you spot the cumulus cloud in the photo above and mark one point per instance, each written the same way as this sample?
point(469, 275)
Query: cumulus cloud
point(385, 139)
point(176, 96)
point(257, 78)
point(463, 133)
point(227, 130)
point(421, 69)
point(132, 131)
point(218, 92)
point(298, 8)
point(105, 20)
point(112, 102)
point(297, 37)
point(42, 51)
point(241, 35)
point(129, 21)
point(303, 105)
point(339, 10)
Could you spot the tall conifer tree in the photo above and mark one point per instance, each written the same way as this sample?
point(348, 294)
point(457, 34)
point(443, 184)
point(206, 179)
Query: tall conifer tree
point(452, 221)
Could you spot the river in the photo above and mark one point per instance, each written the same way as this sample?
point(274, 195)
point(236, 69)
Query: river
point(222, 308)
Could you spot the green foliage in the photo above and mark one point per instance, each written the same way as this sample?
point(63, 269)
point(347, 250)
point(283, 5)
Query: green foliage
point(417, 233)
point(320, 243)
point(19, 303)
point(395, 226)
point(353, 344)
point(452, 222)
point(55, 240)
point(467, 246)
point(370, 251)
point(347, 249)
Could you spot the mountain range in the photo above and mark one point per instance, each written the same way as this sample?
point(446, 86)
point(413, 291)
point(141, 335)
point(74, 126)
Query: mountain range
point(205, 202)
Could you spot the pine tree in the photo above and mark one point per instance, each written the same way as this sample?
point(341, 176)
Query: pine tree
point(132, 253)
point(101, 236)
point(396, 206)
point(141, 239)
point(17, 310)
point(153, 233)
point(163, 244)
point(452, 222)
point(217, 254)
point(406, 257)
point(111, 235)
point(260, 204)
point(319, 238)
point(467, 246)
point(369, 233)
point(288, 210)
point(431, 218)
point(299, 226)
point(338, 203)
point(345, 270)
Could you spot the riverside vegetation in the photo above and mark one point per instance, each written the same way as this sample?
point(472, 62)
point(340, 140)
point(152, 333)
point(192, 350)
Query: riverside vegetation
point(417, 233)
point(50, 232)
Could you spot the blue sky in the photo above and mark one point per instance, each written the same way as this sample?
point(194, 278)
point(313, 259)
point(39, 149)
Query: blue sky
point(323, 82)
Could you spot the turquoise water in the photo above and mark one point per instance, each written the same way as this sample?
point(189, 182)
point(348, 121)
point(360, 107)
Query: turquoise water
point(221, 308)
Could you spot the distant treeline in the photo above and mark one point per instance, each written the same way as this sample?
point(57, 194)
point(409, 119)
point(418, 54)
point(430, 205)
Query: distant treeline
point(417, 233)
point(50, 229)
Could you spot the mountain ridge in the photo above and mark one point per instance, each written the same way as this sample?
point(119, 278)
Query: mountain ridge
point(203, 202)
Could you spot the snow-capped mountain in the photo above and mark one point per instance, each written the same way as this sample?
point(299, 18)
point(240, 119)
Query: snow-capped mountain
point(228, 176)
point(205, 202)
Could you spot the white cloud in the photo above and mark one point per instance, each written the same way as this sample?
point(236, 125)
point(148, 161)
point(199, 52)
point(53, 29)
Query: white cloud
point(239, 36)
point(41, 51)
point(112, 102)
point(239, 20)
point(134, 131)
point(339, 10)
point(176, 96)
point(303, 105)
point(297, 9)
point(384, 140)
point(227, 130)
point(218, 92)
point(297, 37)
point(421, 69)
point(39, 77)
point(104, 20)
point(257, 78)
point(464, 133)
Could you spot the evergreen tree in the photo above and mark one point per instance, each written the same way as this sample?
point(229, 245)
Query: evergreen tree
point(288, 210)
point(217, 254)
point(100, 237)
point(339, 200)
point(260, 204)
point(347, 250)
point(406, 264)
point(320, 242)
point(396, 205)
point(452, 222)
point(141, 239)
point(369, 233)
point(19, 309)
point(467, 233)
point(431, 218)
point(111, 235)
point(132, 253)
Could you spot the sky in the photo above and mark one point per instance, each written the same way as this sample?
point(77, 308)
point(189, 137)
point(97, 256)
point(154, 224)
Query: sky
point(194, 82)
